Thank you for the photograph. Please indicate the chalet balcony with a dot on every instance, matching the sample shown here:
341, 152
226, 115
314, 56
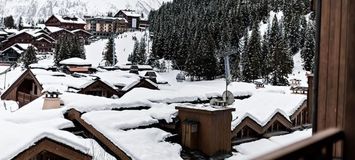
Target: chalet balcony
25, 98
318, 147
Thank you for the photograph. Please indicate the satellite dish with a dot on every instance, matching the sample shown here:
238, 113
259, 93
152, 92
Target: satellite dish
228, 97
213, 101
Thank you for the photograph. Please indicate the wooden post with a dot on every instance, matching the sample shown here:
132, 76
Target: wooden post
336, 85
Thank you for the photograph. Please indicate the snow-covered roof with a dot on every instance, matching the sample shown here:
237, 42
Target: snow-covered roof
137, 143
131, 13
24, 46
35, 130
19, 51
74, 20
3, 33
80, 30
54, 29
58, 80
130, 86
140, 67
14, 31
75, 61
39, 39
262, 106
256, 148
118, 78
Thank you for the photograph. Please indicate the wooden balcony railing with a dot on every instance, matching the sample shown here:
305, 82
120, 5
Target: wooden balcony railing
25, 98
318, 147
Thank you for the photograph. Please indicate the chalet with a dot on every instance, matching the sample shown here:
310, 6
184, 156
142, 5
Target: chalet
131, 16
106, 26
22, 37
38, 38
13, 53
97, 88
78, 65
24, 90
44, 45
56, 32
33, 83
142, 83
69, 23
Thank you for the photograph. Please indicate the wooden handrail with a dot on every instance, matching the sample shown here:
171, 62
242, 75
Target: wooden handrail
319, 146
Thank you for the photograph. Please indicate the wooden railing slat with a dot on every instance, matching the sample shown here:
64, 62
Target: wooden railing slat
312, 146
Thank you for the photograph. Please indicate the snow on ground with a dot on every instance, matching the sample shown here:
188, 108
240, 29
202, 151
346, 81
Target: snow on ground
124, 47
256, 148
298, 71
94, 52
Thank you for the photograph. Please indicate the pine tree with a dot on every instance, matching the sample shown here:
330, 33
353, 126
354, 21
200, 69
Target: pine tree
134, 57
142, 58
303, 30
109, 56
20, 24
265, 54
9, 22
254, 52
29, 57
308, 50
245, 60
77, 49
293, 34
281, 59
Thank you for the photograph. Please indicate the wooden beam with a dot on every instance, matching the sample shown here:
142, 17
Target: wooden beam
310, 147
104, 142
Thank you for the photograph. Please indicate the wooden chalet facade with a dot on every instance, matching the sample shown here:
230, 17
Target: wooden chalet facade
62, 33
27, 88
12, 54
46, 149
22, 37
132, 18
69, 23
44, 45
41, 40
24, 90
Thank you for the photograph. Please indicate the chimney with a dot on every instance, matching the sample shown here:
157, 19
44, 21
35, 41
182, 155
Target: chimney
51, 101
206, 129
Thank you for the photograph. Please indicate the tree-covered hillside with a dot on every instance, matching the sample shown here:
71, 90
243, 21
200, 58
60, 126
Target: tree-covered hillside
194, 34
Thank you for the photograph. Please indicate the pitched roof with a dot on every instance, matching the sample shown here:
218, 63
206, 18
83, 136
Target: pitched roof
67, 19
75, 61
131, 13
54, 29
81, 30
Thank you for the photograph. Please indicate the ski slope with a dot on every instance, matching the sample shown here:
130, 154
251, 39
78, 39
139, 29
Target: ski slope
124, 47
